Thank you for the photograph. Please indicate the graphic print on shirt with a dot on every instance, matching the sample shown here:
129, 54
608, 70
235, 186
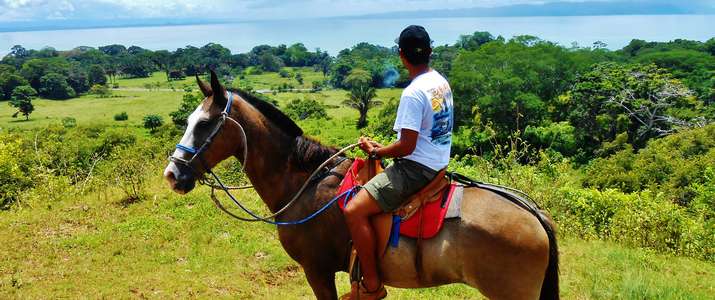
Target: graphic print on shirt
442, 122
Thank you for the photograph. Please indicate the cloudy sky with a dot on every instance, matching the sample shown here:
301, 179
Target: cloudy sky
40, 10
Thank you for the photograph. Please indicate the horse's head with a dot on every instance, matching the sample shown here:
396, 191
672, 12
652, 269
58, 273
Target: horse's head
208, 138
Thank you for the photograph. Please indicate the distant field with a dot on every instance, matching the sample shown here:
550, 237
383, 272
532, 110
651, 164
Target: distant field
157, 80
138, 102
88, 110
271, 80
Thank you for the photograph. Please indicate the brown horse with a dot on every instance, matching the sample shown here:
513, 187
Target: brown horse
496, 246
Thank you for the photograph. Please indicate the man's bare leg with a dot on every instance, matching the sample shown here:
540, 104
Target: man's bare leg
357, 214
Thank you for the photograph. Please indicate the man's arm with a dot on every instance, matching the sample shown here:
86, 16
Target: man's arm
402, 147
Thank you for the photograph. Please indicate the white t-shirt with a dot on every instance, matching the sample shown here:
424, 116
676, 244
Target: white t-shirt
426, 107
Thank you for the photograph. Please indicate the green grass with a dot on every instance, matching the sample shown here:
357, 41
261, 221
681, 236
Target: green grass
181, 246
156, 78
272, 80
90, 110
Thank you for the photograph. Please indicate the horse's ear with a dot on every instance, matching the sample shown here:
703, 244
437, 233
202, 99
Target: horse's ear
205, 88
219, 95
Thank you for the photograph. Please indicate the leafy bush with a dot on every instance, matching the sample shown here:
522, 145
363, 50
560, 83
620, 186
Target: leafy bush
642, 219
69, 122
12, 178
153, 121
385, 119
306, 109
122, 116
190, 100
672, 165
285, 73
101, 90
126, 169
556, 136
317, 86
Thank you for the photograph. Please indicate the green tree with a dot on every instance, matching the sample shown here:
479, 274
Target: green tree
299, 78
22, 100
270, 62
97, 75
475, 40
55, 86
306, 109
642, 101
8, 83
102, 91
34, 69
78, 79
361, 96
510, 85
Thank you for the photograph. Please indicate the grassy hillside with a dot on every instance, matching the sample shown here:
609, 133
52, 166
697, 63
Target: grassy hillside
181, 246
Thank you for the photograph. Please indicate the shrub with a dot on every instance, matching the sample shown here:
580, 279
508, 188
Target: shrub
126, 169
101, 90
190, 100
153, 121
671, 165
285, 73
12, 178
69, 122
317, 86
306, 109
122, 116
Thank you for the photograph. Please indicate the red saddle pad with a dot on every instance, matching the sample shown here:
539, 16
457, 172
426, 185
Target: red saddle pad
433, 213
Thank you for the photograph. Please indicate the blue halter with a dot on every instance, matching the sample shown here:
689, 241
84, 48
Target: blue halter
226, 111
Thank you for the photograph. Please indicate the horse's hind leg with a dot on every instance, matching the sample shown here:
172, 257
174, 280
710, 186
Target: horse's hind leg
504, 274
322, 283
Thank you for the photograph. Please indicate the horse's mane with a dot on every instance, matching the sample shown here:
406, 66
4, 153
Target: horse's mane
307, 153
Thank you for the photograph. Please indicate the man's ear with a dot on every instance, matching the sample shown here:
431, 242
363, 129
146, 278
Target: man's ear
205, 88
219, 92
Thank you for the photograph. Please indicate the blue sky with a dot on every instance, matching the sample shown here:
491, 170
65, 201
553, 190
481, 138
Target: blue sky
237, 10
42, 10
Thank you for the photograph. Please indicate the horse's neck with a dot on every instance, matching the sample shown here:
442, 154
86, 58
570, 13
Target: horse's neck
268, 166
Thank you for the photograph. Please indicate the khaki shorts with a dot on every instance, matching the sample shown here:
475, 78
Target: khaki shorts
400, 180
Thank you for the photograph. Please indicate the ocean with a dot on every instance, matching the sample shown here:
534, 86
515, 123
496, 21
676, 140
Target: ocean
333, 35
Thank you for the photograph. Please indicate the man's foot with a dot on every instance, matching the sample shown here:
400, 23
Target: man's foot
359, 292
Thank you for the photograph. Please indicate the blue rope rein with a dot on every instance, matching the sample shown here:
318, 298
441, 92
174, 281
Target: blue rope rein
347, 194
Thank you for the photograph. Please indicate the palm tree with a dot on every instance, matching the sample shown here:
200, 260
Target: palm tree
361, 95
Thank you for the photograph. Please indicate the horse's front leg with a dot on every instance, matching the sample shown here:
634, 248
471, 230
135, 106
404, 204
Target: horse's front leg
322, 283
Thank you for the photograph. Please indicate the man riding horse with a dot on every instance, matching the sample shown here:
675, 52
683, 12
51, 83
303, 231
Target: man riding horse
424, 136
500, 242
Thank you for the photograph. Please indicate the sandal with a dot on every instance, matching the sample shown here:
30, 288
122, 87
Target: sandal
359, 292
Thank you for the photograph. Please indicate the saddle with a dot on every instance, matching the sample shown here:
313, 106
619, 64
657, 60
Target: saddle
420, 217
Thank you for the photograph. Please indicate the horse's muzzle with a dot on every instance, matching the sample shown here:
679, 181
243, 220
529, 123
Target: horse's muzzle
181, 181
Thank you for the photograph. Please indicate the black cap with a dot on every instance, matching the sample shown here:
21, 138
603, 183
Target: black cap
414, 39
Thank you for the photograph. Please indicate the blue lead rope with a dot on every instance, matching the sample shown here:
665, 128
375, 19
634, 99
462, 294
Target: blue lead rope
347, 193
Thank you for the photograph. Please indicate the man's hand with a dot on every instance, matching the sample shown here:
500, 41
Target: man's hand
366, 144
402, 147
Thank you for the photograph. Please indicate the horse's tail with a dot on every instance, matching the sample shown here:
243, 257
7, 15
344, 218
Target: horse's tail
550, 286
